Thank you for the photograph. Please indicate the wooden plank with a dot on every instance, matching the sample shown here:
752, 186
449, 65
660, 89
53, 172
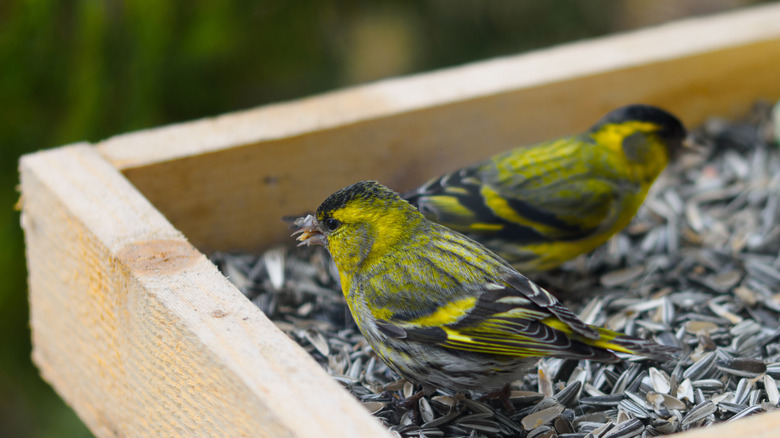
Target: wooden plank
142, 335
225, 181
760, 426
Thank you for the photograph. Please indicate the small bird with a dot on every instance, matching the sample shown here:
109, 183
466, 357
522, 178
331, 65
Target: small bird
540, 205
440, 309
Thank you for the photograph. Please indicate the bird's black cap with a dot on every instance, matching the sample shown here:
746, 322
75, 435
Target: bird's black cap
672, 130
368, 190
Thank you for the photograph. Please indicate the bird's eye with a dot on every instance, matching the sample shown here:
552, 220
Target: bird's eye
331, 224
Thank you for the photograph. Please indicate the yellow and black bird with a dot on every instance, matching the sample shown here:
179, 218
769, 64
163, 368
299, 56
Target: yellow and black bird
540, 205
440, 309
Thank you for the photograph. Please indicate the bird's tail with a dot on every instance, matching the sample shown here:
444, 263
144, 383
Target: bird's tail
615, 341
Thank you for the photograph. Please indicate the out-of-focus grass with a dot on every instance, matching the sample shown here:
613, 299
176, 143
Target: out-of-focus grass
85, 70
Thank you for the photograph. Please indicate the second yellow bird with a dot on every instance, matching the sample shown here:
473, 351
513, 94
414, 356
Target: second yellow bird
540, 205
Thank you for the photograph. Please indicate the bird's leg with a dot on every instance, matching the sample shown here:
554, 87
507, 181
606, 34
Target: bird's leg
412, 400
501, 395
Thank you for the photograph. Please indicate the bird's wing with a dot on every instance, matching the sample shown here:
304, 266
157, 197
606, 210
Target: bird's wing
514, 318
454, 200
554, 190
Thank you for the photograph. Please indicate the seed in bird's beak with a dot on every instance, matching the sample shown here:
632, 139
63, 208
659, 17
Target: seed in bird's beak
691, 142
310, 233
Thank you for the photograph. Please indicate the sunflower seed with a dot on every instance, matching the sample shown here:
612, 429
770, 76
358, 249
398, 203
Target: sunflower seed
440, 421
699, 413
701, 367
569, 394
763, 272
772, 393
591, 311
478, 407
726, 397
748, 296
746, 327
525, 397
665, 426
696, 327
636, 409
407, 419
660, 381
745, 412
486, 426
742, 367
545, 382
544, 416
274, 263
685, 390
724, 312
603, 400
563, 425
622, 276
627, 429
542, 432
373, 407
603, 430
424, 432
316, 339
629, 375
426, 411
743, 390
664, 400
408, 390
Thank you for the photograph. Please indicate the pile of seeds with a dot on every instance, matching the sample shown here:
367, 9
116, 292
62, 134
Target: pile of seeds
698, 268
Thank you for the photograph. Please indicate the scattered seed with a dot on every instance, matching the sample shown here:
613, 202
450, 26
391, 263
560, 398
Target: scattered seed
742, 367
696, 327
685, 390
699, 413
664, 400
701, 367
622, 276
544, 416
627, 429
772, 393
568, 396
660, 381
542, 432
750, 410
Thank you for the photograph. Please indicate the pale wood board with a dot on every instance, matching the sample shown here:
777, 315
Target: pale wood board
759, 426
226, 181
142, 335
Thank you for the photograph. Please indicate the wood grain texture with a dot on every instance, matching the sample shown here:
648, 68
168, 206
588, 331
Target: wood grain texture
142, 335
226, 181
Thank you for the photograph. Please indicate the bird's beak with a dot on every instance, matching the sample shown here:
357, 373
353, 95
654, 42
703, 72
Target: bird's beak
689, 142
310, 233
689, 145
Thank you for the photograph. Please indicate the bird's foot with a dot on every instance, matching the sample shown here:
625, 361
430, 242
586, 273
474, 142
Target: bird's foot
502, 395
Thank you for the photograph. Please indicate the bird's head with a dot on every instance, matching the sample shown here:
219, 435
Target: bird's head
639, 127
359, 221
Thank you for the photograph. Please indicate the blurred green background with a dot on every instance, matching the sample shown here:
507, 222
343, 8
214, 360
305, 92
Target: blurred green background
88, 69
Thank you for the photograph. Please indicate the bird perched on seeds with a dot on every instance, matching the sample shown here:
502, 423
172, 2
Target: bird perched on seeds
540, 205
439, 308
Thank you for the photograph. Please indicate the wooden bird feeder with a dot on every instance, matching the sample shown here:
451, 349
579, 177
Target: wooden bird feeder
140, 333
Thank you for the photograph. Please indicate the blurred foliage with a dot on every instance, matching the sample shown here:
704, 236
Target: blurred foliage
88, 69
